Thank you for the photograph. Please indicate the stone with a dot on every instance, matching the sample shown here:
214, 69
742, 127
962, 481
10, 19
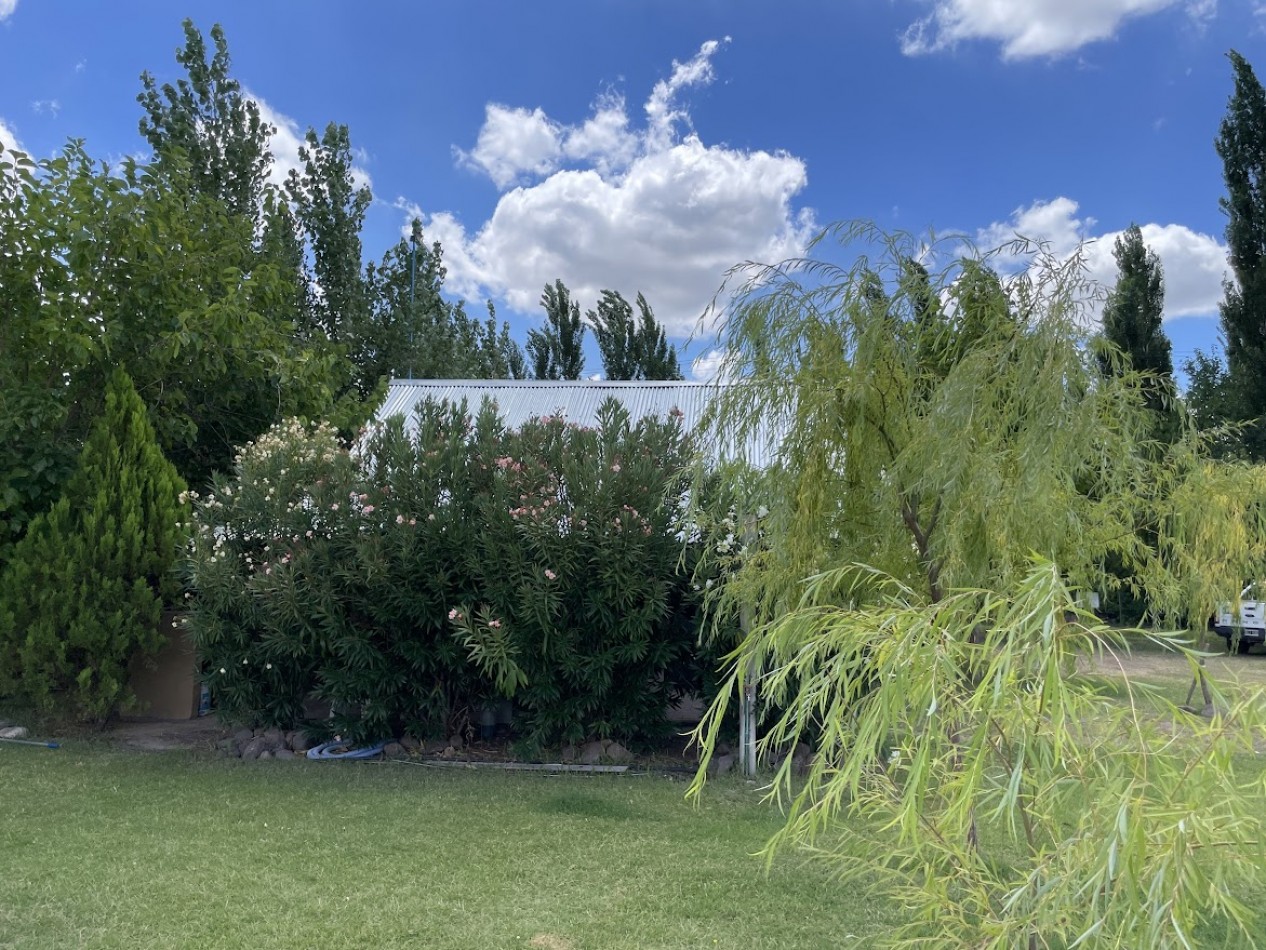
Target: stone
284, 754
252, 749
266, 754
243, 736
591, 753
455, 741
721, 764
14, 732
411, 744
230, 747
275, 738
393, 748
568, 754
434, 746
618, 755
300, 741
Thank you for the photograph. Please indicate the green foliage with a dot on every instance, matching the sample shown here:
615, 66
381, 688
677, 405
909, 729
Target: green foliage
203, 330
207, 126
578, 554
1241, 144
631, 349
84, 589
418, 334
1001, 799
433, 573
975, 458
1132, 323
1212, 403
556, 350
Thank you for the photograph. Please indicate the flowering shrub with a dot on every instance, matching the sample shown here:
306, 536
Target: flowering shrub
427, 574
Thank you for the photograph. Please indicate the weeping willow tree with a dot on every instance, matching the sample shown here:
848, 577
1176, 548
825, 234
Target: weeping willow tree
950, 472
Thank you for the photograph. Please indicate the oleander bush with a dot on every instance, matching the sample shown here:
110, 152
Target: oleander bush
437, 569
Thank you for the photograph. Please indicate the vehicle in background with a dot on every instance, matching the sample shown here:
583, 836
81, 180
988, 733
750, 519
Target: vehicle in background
1243, 627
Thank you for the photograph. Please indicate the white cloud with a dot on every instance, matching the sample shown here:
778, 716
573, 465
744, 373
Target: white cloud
7, 7
1027, 28
707, 367
605, 205
51, 106
514, 142
9, 137
1193, 263
286, 139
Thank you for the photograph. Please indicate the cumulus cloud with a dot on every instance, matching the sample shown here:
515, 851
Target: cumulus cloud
605, 204
1194, 264
9, 137
707, 367
512, 143
7, 7
1027, 28
285, 142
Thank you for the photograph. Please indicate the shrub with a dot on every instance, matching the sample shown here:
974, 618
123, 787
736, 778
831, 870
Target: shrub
84, 589
429, 574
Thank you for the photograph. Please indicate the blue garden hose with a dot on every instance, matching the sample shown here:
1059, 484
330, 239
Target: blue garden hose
343, 750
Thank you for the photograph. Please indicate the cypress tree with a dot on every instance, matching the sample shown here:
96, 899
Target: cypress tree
1242, 146
86, 586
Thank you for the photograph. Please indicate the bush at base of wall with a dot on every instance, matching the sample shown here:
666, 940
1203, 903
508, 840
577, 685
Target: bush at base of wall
429, 574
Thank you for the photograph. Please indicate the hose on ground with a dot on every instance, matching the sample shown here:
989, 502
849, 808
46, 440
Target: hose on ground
344, 750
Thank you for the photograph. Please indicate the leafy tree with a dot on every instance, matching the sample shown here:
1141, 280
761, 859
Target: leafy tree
1132, 321
203, 330
330, 208
945, 479
208, 126
85, 587
555, 350
417, 332
1212, 403
631, 349
1241, 144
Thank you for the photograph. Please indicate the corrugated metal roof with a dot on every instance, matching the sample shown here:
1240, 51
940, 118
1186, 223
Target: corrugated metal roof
518, 400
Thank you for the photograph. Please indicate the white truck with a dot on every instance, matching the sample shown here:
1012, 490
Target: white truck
1243, 627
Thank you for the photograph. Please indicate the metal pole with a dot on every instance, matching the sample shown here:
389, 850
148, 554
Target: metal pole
413, 284
747, 705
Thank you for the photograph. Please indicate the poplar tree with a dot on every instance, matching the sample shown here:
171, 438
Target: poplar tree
1241, 144
85, 588
632, 348
556, 350
1132, 323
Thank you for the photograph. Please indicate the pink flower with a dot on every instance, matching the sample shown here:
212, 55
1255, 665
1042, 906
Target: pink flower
550, 575
334, 507
454, 614
399, 519
413, 521
430, 517
615, 467
367, 510
495, 624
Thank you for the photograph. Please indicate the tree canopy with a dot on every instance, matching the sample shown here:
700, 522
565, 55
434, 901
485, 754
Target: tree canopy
950, 468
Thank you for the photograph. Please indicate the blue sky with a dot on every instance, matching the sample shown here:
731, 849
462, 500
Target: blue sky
650, 145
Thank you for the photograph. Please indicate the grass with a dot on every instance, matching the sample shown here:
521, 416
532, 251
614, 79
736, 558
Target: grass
110, 848
106, 847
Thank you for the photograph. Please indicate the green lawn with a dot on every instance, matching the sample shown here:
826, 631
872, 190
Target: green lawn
109, 848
